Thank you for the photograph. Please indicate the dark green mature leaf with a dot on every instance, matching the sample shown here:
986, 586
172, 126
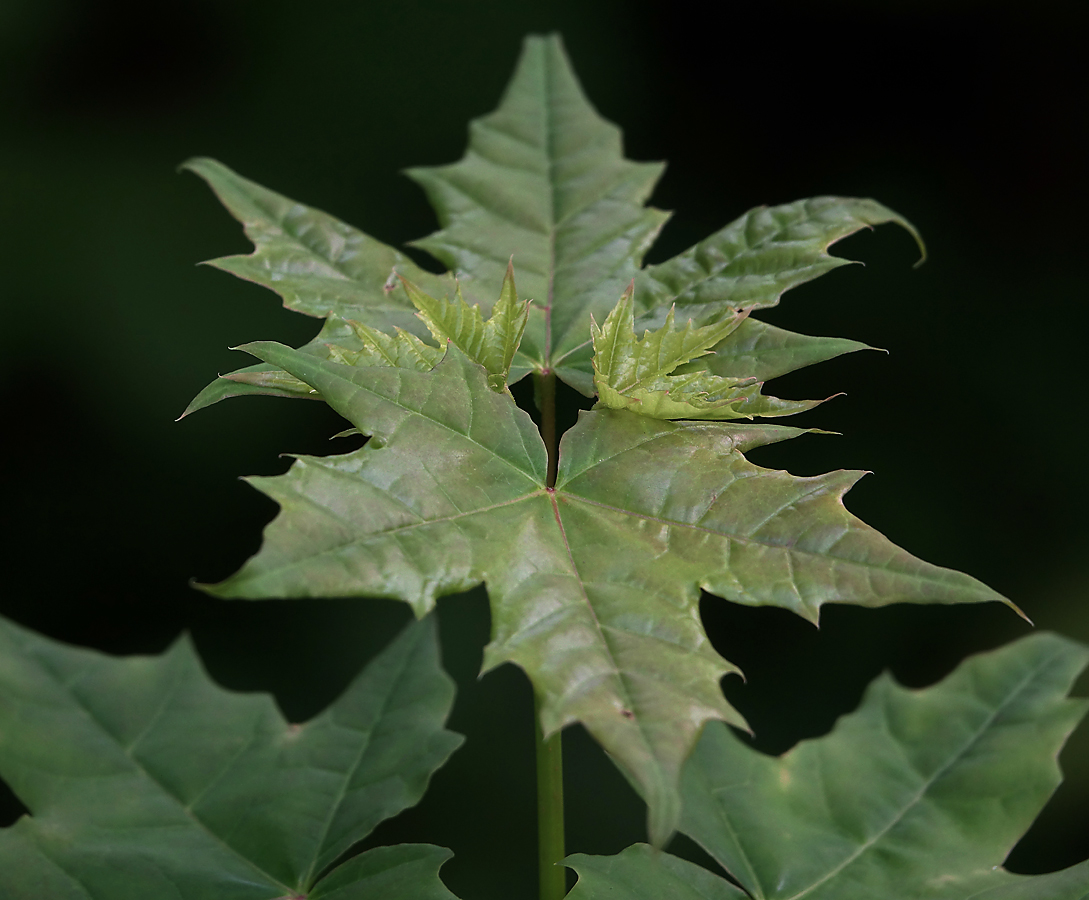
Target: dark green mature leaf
145, 779
642, 873
918, 794
315, 262
750, 264
594, 585
755, 259
268, 381
401, 872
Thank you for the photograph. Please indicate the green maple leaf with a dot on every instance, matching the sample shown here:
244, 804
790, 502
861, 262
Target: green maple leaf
145, 779
544, 181
594, 585
917, 794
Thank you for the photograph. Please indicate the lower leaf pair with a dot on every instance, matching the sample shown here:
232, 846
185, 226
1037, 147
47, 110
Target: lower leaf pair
145, 779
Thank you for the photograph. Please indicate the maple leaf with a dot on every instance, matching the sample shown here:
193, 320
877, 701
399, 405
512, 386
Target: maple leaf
594, 582
915, 794
146, 779
594, 585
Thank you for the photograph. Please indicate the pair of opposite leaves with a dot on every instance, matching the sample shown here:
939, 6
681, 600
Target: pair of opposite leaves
145, 779
594, 582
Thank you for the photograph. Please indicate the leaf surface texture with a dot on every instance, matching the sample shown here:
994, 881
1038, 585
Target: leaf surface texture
145, 779
595, 585
918, 794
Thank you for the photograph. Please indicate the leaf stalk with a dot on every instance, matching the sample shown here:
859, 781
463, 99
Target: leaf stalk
545, 396
550, 841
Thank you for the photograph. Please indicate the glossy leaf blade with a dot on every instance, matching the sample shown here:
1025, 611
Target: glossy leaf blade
316, 263
918, 793
145, 779
761, 351
594, 586
637, 671
760, 537
271, 381
544, 180
402, 521
401, 872
757, 257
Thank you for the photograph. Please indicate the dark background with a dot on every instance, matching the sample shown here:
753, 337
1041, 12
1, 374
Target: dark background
968, 118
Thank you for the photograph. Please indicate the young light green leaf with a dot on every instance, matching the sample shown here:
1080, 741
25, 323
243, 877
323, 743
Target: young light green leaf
594, 585
145, 779
631, 373
400, 350
491, 343
916, 794
544, 180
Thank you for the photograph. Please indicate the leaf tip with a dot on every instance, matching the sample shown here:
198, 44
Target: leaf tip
192, 164
1017, 609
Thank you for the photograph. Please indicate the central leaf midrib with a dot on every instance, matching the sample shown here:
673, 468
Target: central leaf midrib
550, 153
617, 671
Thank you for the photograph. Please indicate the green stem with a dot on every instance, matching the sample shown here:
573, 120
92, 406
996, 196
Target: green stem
545, 394
550, 850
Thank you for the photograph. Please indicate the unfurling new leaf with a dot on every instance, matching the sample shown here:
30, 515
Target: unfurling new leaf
635, 374
491, 343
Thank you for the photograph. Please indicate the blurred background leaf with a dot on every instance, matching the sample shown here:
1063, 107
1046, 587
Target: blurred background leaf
969, 118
